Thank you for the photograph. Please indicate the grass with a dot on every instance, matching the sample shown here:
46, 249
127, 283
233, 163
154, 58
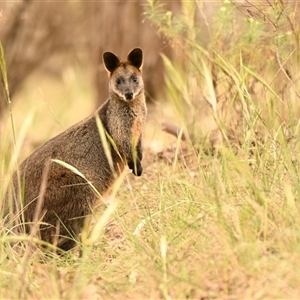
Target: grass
195, 225
204, 227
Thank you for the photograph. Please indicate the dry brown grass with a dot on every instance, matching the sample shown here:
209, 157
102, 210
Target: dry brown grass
196, 227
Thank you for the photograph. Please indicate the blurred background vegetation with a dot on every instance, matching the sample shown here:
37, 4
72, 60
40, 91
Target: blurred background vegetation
48, 37
237, 76
222, 64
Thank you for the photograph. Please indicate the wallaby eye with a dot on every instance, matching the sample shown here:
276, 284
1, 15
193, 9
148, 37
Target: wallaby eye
134, 79
118, 81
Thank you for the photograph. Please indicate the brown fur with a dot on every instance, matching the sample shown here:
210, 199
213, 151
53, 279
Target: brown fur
67, 198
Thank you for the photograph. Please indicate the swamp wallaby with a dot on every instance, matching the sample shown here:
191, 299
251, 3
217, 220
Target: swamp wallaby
63, 198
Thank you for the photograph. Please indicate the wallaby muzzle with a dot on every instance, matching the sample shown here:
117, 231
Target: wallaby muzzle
129, 95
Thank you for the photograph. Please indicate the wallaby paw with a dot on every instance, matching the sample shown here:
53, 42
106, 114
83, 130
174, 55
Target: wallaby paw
137, 168
139, 171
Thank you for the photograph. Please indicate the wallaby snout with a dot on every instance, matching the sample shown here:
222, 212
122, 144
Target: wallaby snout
129, 95
68, 196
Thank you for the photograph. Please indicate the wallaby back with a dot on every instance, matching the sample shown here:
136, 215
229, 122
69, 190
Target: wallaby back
52, 192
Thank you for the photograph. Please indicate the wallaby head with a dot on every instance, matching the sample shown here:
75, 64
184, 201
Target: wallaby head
125, 77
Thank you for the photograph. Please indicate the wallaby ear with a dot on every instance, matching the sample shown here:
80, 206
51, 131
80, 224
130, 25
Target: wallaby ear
135, 58
110, 61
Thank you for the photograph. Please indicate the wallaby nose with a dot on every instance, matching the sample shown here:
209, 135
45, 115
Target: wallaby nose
129, 95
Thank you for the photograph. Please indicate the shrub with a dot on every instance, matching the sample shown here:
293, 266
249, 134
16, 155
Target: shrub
236, 70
